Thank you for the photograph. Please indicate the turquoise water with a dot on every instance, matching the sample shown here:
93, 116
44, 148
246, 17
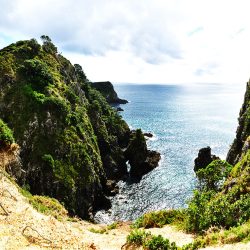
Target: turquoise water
183, 119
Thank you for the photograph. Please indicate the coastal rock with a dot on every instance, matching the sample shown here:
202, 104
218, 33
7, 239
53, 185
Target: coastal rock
119, 109
204, 158
140, 158
107, 90
147, 134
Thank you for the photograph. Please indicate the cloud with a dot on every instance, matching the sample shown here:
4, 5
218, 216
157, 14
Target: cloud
163, 40
207, 69
94, 27
195, 31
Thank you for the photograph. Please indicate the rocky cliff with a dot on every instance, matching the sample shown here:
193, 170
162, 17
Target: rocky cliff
71, 140
242, 141
107, 90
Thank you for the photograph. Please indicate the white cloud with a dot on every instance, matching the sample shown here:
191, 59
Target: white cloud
162, 41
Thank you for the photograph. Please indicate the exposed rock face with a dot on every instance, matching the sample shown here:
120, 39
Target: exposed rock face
204, 158
107, 90
72, 141
140, 158
241, 141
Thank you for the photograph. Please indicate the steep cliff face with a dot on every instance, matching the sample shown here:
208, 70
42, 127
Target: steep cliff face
242, 141
71, 140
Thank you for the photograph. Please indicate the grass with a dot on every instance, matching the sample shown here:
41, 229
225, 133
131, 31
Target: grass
98, 231
113, 225
46, 205
106, 229
215, 236
160, 218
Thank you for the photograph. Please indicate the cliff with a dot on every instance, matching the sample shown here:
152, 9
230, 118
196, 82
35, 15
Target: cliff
107, 90
71, 140
241, 142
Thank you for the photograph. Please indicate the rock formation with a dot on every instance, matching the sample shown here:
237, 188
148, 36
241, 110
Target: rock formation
204, 158
140, 158
107, 90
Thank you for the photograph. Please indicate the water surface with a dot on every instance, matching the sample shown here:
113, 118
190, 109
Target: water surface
183, 119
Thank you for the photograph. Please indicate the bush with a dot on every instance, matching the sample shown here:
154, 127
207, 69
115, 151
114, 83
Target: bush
149, 241
214, 175
159, 218
6, 135
137, 237
45, 204
36, 73
159, 243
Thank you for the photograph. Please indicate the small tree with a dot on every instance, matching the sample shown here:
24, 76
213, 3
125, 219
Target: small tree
213, 176
48, 46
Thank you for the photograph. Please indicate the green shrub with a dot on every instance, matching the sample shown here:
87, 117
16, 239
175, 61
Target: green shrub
98, 231
159, 243
6, 135
214, 175
112, 225
159, 218
149, 241
45, 204
137, 237
36, 73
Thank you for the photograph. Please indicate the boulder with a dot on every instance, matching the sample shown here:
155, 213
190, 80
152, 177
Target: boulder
204, 158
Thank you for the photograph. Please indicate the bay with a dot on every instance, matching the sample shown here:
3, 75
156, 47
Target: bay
183, 119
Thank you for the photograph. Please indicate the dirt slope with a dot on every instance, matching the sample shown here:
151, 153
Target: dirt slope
22, 227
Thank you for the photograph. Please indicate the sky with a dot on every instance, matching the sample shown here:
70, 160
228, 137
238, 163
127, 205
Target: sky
143, 41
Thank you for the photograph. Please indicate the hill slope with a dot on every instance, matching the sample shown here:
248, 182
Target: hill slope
72, 142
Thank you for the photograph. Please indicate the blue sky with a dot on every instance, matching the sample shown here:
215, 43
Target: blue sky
149, 41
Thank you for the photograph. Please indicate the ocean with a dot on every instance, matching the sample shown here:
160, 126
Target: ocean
183, 119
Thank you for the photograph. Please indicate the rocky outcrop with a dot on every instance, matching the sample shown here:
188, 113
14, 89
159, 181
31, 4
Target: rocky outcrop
204, 158
148, 134
240, 143
107, 90
141, 159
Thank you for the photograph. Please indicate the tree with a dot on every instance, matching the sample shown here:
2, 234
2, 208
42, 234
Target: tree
48, 46
213, 176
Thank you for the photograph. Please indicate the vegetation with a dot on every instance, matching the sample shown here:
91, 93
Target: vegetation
219, 210
213, 176
6, 135
214, 206
45, 205
159, 218
68, 133
112, 225
149, 241
98, 231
